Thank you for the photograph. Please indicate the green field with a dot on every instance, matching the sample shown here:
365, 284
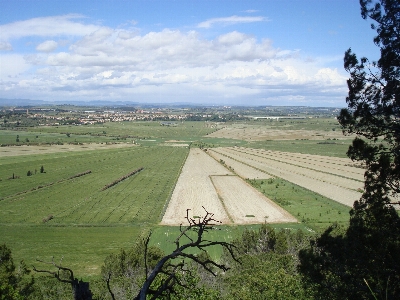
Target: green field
83, 223
134, 204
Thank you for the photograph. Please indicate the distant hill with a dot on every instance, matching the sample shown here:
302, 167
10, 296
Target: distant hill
21, 102
98, 103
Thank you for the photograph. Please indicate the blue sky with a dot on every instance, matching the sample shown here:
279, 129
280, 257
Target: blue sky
271, 52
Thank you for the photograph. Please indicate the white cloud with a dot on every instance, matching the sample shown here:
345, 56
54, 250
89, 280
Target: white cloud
230, 21
47, 46
231, 38
123, 64
5, 46
47, 26
12, 66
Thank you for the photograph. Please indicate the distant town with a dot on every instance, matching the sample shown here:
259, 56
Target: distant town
54, 115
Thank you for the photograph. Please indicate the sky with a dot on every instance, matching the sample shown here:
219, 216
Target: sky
269, 52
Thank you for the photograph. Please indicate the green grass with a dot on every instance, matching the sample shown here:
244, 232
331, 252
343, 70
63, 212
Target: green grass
81, 200
147, 133
83, 249
131, 130
312, 209
44, 135
337, 148
88, 223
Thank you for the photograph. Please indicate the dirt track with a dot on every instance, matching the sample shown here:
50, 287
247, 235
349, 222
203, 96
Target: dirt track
45, 149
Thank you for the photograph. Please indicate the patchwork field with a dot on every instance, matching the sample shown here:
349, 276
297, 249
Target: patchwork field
337, 179
58, 213
239, 168
259, 133
194, 190
206, 184
245, 205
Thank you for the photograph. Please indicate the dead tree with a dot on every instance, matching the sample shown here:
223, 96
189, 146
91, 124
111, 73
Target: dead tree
169, 269
80, 289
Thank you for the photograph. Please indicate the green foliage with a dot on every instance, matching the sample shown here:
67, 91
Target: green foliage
15, 284
47, 287
363, 261
268, 266
193, 286
373, 107
126, 269
339, 261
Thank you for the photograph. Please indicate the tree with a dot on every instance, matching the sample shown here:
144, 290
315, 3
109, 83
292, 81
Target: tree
373, 112
268, 268
167, 272
14, 284
164, 275
80, 289
363, 261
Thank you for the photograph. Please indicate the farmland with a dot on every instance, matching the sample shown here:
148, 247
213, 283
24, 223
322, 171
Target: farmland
242, 171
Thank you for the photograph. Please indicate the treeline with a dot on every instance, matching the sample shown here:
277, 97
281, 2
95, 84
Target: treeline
121, 179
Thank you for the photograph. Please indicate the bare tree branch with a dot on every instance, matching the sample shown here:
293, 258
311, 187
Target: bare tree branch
80, 289
170, 270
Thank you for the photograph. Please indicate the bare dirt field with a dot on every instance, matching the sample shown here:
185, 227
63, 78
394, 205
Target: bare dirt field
195, 189
257, 133
239, 168
340, 186
176, 143
45, 149
245, 205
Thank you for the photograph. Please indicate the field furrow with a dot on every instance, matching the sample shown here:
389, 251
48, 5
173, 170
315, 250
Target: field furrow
289, 166
340, 168
239, 168
327, 187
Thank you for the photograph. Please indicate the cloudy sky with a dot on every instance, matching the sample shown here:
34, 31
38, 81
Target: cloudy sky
266, 52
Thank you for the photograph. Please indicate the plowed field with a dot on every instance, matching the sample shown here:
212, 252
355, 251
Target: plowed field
204, 182
335, 178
